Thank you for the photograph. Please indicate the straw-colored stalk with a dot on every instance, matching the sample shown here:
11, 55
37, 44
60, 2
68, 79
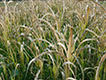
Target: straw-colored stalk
69, 54
98, 68
70, 46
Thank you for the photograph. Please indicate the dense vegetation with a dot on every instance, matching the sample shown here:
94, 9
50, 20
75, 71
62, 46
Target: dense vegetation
53, 40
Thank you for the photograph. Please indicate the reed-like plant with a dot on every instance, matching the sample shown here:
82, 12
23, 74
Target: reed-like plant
52, 40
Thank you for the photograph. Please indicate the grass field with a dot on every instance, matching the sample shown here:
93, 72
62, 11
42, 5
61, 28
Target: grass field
53, 40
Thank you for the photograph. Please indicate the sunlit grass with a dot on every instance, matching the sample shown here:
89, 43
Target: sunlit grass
52, 40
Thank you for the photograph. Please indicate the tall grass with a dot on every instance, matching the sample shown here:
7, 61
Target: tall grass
53, 40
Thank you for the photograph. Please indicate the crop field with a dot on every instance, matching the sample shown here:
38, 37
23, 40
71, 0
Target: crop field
53, 40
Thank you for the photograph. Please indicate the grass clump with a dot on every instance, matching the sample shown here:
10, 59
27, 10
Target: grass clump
53, 40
